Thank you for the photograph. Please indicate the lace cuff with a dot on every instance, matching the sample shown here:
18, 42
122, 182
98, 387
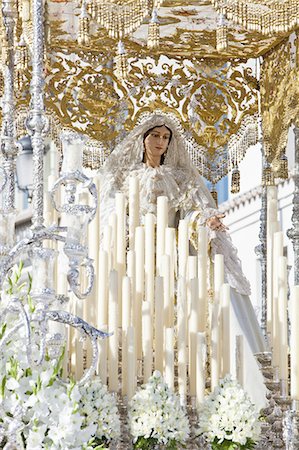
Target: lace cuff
220, 243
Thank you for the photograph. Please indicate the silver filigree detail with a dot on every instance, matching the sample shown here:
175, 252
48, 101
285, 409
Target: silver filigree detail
71, 137
70, 181
293, 233
9, 148
93, 333
291, 427
37, 122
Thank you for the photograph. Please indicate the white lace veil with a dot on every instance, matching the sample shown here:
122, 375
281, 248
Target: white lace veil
129, 153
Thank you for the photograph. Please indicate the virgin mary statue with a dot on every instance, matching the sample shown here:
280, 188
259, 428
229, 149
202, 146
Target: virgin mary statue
156, 153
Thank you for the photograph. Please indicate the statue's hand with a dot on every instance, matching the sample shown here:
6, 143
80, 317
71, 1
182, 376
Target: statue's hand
215, 223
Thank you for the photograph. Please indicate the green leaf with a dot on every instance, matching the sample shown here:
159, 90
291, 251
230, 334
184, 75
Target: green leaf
14, 365
30, 303
57, 368
3, 384
3, 329
30, 282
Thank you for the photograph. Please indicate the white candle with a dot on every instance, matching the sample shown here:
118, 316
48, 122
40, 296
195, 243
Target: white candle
126, 322
283, 317
215, 325
170, 246
240, 359
72, 157
225, 306
113, 327
149, 228
218, 275
107, 243
191, 273
159, 320
131, 358
162, 222
102, 288
147, 340
169, 358
112, 222
202, 241
131, 272
202, 277
200, 367
193, 329
294, 347
183, 247
126, 300
165, 272
120, 208
271, 227
133, 209
139, 252
181, 327
192, 267
277, 253
102, 361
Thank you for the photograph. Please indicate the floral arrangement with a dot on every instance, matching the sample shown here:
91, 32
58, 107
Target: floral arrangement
37, 410
228, 419
156, 417
99, 407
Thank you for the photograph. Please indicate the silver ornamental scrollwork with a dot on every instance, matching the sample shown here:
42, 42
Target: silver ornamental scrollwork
3, 179
293, 233
70, 181
37, 122
73, 278
9, 148
88, 330
42, 317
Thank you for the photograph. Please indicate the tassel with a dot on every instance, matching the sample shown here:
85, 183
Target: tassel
22, 57
214, 194
19, 80
221, 34
267, 177
235, 182
283, 171
84, 23
121, 62
153, 37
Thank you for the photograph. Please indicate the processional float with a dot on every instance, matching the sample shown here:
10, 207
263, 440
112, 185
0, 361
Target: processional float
137, 333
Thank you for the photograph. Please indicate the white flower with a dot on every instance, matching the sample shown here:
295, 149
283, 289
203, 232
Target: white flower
156, 412
99, 406
228, 413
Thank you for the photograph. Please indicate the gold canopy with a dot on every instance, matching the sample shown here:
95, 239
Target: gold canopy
96, 89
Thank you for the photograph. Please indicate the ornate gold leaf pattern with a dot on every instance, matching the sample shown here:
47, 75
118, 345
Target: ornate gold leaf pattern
279, 97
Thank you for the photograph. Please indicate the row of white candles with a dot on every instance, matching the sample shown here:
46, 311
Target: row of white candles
135, 293
144, 287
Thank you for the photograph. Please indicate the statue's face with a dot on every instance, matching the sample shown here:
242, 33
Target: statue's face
157, 141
